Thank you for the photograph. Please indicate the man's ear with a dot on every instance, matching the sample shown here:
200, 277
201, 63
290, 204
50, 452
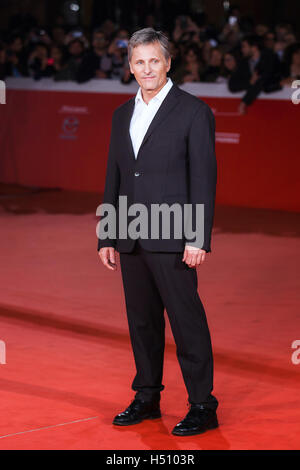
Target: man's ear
130, 66
168, 64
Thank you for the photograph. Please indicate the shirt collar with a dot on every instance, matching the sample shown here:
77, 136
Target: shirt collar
160, 95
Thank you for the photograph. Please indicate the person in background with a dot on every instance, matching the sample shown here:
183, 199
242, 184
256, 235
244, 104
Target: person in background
258, 71
236, 72
261, 29
289, 39
205, 52
150, 20
291, 69
184, 25
108, 27
175, 55
269, 40
282, 31
16, 57
230, 36
58, 35
230, 66
75, 53
38, 62
119, 60
214, 71
58, 61
79, 35
96, 63
37, 36
3, 62
190, 69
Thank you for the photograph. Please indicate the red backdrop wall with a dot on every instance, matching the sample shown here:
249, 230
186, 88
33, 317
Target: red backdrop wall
60, 139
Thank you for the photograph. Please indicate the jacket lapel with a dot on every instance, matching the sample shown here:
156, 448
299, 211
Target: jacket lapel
167, 105
127, 119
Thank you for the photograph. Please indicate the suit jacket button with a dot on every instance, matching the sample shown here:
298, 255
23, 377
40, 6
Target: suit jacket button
136, 173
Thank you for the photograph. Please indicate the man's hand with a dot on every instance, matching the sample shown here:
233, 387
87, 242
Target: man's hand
242, 108
193, 256
254, 78
108, 257
101, 74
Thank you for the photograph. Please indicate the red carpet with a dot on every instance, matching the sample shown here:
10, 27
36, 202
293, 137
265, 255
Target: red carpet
69, 364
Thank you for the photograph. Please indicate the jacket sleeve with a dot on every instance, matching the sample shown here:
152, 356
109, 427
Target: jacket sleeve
112, 181
239, 79
202, 170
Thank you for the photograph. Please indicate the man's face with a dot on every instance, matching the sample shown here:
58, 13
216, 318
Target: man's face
41, 52
76, 49
216, 58
58, 35
269, 40
149, 66
229, 62
296, 58
99, 41
123, 34
246, 49
17, 45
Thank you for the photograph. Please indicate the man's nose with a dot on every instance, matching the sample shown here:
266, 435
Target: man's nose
147, 68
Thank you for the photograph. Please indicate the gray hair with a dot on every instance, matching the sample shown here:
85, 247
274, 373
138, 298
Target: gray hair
147, 36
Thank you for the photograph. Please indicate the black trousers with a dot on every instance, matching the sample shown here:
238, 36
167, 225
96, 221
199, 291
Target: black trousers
154, 281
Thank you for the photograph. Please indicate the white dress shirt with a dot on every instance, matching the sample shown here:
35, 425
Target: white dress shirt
144, 113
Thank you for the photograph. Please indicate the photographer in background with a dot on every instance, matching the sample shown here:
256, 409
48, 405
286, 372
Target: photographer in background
59, 62
230, 35
118, 53
38, 62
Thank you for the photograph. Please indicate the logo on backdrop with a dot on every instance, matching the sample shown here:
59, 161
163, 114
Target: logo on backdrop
2, 92
296, 354
2, 352
228, 137
66, 109
296, 94
70, 127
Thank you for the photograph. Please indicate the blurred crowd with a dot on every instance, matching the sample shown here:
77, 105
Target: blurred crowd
245, 55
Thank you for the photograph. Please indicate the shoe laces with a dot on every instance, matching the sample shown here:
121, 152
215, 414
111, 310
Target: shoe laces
135, 404
193, 415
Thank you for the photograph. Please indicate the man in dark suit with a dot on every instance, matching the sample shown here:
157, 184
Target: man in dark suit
259, 70
162, 150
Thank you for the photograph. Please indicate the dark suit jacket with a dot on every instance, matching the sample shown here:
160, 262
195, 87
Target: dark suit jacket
176, 163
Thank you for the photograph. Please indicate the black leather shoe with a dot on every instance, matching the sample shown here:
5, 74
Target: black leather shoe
197, 421
137, 411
